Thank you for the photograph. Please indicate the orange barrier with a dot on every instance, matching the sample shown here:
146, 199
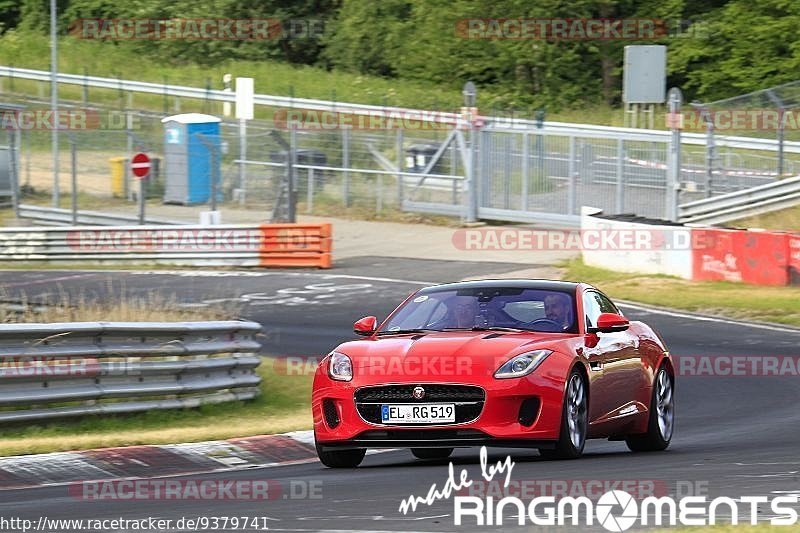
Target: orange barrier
296, 245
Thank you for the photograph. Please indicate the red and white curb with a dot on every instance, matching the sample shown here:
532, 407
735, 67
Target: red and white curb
150, 461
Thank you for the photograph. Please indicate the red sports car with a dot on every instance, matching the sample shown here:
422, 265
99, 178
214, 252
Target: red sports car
514, 363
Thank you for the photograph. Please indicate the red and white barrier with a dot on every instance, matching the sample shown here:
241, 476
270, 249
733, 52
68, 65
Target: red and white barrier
700, 253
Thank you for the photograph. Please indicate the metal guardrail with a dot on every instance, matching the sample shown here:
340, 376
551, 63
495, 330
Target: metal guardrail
180, 91
740, 204
73, 369
56, 216
257, 245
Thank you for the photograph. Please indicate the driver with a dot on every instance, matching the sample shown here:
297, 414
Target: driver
557, 308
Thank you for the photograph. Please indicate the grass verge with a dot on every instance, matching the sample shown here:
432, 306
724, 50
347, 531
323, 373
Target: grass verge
735, 300
284, 405
783, 220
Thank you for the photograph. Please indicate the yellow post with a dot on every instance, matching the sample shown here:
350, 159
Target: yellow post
117, 176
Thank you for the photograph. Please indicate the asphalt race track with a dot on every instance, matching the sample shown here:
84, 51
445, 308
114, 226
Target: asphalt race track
735, 436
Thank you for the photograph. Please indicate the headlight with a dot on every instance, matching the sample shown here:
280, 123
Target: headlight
522, 364
340, 367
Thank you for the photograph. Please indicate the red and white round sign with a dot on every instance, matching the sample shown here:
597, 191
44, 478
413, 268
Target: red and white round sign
140, 165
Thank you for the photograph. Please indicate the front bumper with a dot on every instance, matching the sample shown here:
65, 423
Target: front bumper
431, 438
523, 412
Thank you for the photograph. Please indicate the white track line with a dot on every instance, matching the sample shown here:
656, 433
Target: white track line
707, 318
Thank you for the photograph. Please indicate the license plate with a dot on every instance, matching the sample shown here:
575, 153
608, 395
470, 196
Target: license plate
429, 413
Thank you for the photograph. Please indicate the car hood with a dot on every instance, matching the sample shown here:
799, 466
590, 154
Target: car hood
454, 356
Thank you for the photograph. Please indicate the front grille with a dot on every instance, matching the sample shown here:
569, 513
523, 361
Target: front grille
433, 393
370, 399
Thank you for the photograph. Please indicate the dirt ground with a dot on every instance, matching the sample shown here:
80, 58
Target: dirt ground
93, 172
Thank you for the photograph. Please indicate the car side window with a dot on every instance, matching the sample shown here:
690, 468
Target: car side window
592, 308
606, 306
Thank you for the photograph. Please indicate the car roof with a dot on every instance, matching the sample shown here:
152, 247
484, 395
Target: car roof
541, 284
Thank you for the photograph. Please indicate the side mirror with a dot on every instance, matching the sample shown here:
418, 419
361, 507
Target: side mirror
365, 326
608, 323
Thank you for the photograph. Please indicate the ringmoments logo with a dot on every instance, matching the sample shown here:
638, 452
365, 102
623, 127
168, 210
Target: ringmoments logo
615, 510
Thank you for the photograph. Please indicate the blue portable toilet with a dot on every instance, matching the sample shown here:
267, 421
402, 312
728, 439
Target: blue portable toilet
192, 157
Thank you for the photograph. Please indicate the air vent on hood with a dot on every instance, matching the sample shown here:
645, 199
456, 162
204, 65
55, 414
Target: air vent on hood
493, 335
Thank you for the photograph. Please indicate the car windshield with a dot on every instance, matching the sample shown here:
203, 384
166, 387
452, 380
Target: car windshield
485, 308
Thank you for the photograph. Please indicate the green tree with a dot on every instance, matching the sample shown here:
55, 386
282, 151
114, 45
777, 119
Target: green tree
742, 47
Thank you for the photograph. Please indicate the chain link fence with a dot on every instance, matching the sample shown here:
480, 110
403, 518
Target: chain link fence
521, 174
769, 113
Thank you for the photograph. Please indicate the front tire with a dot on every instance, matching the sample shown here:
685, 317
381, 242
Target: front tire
662, 417
340, 458
432, 453
574, 421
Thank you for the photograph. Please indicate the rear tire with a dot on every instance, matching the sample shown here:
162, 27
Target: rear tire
574, 421
662, 417
340, 458
432, 453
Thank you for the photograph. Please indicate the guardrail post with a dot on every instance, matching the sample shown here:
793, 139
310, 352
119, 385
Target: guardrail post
212, 154
674, 159
165, 100
242, 158
13, 168
400, 162
310, 192
525, 170
454, 169
507, 154
781, 135
620, 176
292, 159
85, 86
346, 165
471, 172
73, 160
379, 194
126, 174
573, 176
